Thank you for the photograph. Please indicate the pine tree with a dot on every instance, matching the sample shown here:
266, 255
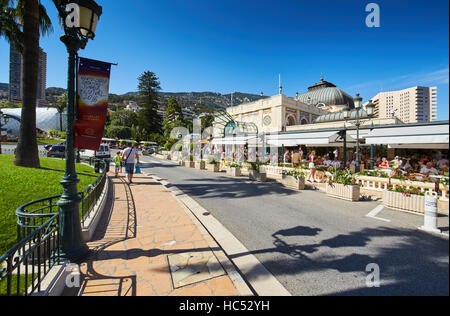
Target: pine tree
148, 117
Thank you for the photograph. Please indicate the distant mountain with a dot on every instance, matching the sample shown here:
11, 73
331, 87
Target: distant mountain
198, 102
4, 86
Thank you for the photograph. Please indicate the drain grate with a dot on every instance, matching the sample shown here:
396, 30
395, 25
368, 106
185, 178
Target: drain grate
193, 267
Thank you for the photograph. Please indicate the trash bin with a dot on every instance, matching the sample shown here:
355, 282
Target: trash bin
97, 166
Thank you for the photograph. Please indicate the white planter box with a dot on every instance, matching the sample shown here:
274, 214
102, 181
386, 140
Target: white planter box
200, 165
413, 203
291, 182
213, 168
257, 176
345, 192
234, 172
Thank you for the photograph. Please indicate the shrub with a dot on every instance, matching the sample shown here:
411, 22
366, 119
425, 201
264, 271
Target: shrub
296, 174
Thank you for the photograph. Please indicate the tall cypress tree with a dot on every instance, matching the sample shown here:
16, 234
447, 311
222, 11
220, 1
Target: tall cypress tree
148, 117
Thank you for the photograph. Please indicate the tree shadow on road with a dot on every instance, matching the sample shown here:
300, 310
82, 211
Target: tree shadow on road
225, 187
414, 264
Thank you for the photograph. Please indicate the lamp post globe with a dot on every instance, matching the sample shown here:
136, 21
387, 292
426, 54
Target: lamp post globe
370, 108
79, 20
358, 101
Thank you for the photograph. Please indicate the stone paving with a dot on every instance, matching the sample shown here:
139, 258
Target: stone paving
149, 244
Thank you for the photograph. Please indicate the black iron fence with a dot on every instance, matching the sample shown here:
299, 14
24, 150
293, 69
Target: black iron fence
23, 268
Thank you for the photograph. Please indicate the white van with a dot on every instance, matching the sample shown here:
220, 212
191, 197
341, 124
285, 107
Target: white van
101, 153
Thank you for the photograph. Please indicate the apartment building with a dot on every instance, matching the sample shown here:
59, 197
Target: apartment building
15, 77
412, 105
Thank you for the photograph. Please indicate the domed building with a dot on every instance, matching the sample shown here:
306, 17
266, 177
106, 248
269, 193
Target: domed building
327, 96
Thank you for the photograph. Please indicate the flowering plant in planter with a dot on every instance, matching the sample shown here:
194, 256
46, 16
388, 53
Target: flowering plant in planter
295, 174
407, 192
233, 165
375, 173
213, 161
255, 166
345, 177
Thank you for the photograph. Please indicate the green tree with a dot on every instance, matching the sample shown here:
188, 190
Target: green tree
119, 132
21, 23
207, 121
148, 117
124, 118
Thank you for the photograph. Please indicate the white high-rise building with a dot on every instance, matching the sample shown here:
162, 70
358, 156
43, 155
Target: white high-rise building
16, 73
413, 105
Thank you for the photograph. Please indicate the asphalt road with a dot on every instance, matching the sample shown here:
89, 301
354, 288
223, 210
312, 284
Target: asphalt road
317, 245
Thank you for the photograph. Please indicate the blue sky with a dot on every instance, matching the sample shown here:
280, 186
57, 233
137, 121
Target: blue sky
226, 46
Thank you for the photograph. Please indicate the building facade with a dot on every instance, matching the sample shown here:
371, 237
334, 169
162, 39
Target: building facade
412, 105
15, 77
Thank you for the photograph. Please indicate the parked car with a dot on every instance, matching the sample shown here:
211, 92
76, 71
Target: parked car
147, 151
48, 147
102, 153
57, 151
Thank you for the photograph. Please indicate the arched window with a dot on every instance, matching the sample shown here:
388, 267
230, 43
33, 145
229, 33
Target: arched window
290, 121
304, 122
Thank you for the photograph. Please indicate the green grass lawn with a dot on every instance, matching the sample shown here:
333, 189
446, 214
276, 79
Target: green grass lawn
41, 141
19, 186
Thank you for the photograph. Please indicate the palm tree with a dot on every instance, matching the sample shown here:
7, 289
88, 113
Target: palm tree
60, 106
24, 21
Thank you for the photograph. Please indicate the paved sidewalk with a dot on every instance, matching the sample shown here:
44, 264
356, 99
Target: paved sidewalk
149, 244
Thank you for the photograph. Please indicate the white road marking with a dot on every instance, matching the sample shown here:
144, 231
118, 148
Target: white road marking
373, 214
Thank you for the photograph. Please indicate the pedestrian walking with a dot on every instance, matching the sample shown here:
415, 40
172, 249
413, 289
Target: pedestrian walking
312, 167
118, 163
129, 157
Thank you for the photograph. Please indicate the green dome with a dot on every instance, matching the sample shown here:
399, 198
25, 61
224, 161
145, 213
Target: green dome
325, 93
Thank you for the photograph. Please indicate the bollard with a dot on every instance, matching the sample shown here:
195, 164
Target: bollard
431, 213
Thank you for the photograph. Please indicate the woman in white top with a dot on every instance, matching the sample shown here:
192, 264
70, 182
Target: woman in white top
312, 166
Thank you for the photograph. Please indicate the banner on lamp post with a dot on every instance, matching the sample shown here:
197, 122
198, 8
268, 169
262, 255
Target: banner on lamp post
93, 88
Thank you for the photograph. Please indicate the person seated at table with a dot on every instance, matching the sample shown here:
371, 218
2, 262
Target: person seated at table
444, 168
429, 170
397, 162
327, 161
384, 163
336, 164
319, 161
406, 166
442, 162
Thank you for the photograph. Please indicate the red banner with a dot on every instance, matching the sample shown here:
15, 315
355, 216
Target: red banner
93, 88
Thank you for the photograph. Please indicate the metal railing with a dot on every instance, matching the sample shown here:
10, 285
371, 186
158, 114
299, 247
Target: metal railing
91, 195
23, 268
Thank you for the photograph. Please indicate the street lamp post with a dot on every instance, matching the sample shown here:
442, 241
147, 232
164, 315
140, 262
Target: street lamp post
370, 110
79, 19
358, 105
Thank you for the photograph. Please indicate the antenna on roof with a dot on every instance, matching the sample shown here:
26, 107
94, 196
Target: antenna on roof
279, 83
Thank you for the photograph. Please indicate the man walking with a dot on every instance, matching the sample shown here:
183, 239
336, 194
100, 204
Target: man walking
129, 157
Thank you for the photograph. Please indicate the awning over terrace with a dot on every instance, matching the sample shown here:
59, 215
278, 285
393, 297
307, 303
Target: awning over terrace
316, 139
417, 136
230, 140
